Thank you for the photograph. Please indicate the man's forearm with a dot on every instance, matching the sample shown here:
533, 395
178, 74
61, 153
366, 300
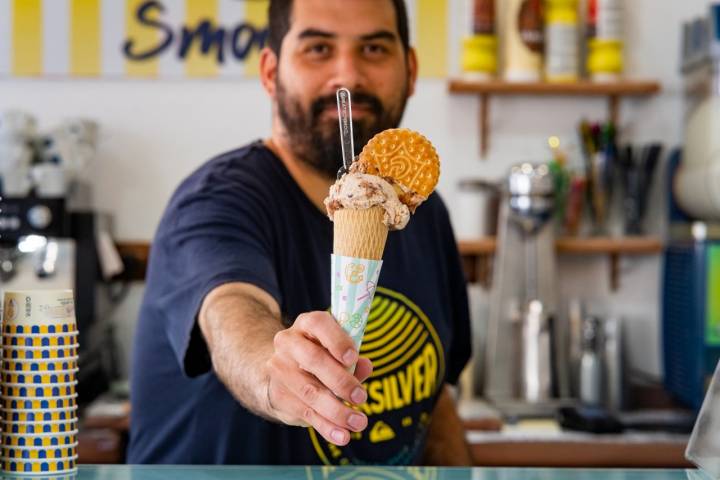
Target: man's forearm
446, 444
239, 328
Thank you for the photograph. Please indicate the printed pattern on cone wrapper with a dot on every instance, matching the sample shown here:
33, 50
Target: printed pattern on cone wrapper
353, 284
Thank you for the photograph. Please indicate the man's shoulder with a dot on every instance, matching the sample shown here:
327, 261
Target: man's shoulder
239, 179
249, 162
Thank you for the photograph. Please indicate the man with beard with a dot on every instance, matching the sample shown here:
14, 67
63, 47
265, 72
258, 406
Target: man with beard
236, 359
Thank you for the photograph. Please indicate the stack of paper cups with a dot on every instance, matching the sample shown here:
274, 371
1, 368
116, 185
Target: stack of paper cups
38, 380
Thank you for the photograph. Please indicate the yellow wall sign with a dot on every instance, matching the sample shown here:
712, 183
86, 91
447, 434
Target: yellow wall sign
165, 38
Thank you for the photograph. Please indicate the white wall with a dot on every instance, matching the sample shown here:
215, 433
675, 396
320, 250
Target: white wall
155, 132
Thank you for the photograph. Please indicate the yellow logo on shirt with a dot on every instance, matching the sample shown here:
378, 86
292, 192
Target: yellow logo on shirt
381, 432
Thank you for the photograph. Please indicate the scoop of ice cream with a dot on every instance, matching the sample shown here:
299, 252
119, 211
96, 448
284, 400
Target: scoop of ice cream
405, 195
358, 191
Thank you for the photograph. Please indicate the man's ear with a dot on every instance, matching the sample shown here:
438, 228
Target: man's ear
268, 71
412, 64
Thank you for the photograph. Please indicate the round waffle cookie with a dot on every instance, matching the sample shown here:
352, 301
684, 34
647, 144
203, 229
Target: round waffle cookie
39, 340
39, 453
39, 365
39, 353
16, 403
31, 391
40, 378
69, 328
61, 465
51, 440
406, 157
56, 415
22, 428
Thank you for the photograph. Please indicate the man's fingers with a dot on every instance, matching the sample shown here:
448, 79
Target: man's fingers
289, 413
363, 369
316, 360
332, 433
293, 410
320, 399
299, 414
323, 327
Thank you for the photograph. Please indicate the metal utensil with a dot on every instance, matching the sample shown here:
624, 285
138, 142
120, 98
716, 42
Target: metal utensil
347, 142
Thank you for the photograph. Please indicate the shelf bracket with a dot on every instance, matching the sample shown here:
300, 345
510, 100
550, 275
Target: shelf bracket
484, 124
614, 272
614, 109
485, 271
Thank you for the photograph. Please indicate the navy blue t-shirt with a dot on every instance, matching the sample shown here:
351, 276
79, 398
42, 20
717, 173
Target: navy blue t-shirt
242, 218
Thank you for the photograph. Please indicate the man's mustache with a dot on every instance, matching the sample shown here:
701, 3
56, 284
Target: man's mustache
366, 100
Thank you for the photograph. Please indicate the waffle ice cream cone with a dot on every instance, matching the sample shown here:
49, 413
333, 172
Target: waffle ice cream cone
360, 233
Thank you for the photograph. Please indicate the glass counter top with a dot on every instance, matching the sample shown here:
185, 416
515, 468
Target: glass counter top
180, 472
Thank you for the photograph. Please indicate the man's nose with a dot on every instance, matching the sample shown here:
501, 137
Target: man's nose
348, 72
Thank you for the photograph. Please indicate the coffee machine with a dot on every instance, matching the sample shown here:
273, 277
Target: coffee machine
524, 373
46, 245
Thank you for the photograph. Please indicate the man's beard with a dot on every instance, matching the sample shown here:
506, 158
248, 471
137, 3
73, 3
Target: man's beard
315, 139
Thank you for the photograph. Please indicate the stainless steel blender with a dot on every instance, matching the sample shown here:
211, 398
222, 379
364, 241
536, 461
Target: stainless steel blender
523, 340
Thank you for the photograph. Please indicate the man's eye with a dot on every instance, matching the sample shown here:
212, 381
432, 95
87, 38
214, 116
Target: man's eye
374, 49
319, 49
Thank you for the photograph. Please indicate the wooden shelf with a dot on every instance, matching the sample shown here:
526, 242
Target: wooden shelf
496, 87
478, 266
612, 90
575, 245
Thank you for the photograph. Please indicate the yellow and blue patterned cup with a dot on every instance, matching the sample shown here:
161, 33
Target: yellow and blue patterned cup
54, 329
40, 415
60, 465
40, 353
11, 341
35, 391
34, 428
39, 378
39, 365
39, 453
41, 440
18, 403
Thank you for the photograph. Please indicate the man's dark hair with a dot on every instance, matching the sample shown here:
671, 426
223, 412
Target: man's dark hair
279, 23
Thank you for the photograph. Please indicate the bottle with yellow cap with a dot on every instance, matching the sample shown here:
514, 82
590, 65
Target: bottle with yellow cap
479, 57
605, 44
561, 41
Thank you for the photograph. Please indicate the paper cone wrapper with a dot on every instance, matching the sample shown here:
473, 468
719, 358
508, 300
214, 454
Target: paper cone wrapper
353, 288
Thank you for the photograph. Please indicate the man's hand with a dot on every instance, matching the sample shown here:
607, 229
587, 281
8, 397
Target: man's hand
309, 378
